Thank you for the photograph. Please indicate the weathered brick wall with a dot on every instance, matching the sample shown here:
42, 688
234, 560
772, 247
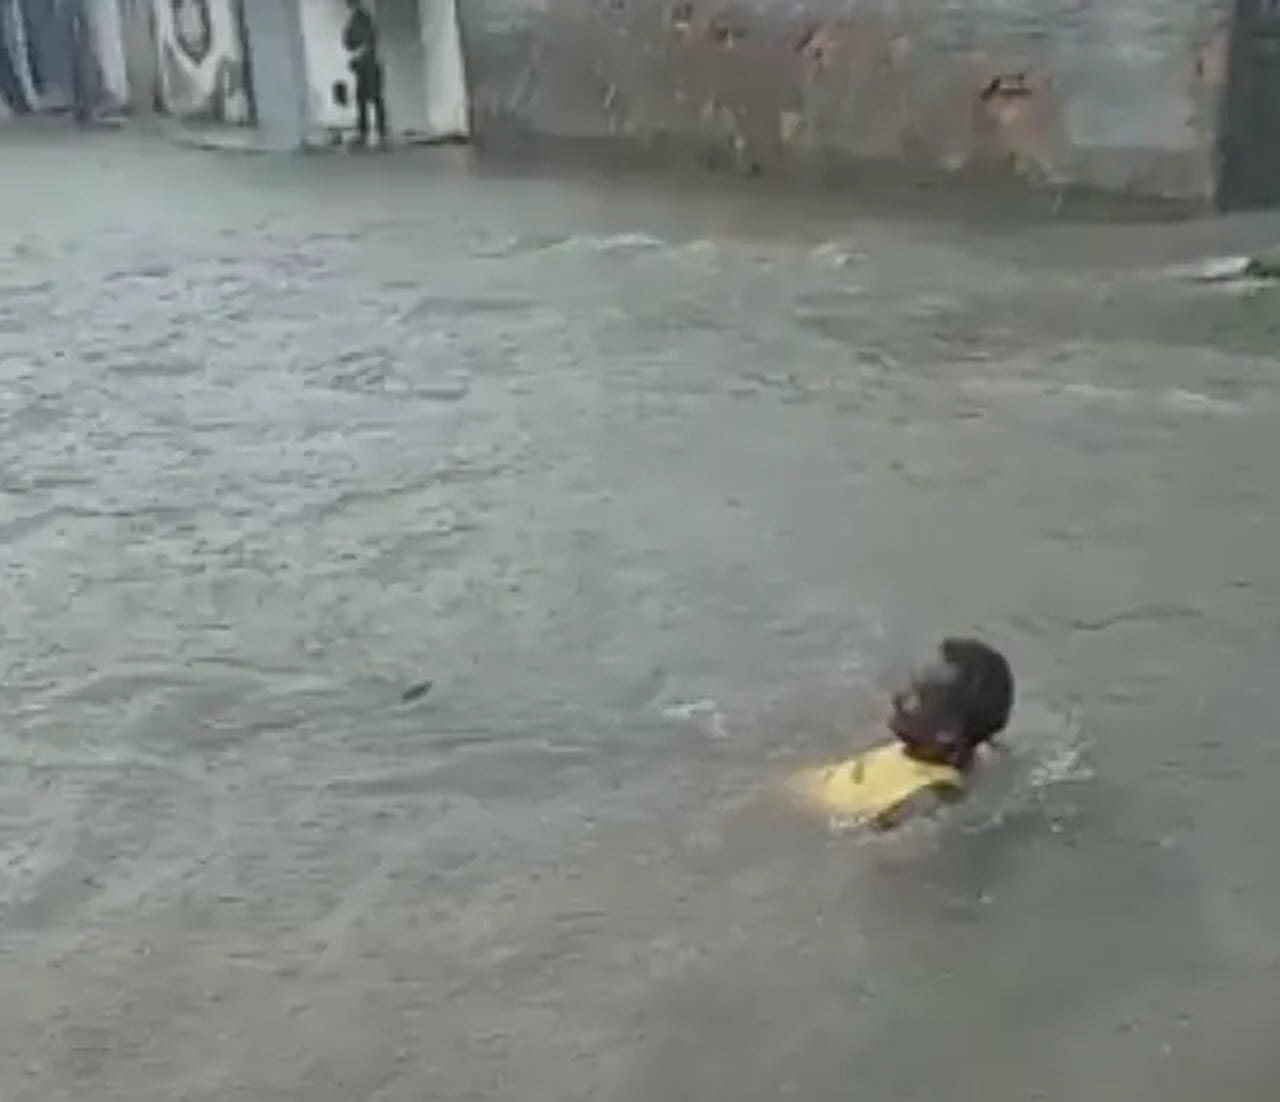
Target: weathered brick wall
1121, 94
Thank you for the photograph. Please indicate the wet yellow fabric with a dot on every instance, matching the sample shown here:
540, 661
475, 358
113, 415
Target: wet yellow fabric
871, 784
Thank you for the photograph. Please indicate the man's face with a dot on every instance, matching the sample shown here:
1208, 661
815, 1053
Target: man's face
921, 714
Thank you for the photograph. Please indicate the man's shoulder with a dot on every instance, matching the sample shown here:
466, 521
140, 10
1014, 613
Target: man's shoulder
922, 803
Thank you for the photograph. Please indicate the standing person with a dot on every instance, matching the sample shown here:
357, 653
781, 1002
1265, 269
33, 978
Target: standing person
360, 40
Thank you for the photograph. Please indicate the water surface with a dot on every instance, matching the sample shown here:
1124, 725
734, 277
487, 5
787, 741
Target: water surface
652, 482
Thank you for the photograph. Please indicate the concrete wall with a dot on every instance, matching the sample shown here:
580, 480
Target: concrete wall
322, 23
201, 60
404, 64
142, 63
448, 107
1121, 94
278, 71
50, 50
106, 28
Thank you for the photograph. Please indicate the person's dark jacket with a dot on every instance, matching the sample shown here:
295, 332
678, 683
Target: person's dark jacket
360, 39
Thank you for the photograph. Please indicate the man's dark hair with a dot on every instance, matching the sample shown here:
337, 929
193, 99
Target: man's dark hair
982, 693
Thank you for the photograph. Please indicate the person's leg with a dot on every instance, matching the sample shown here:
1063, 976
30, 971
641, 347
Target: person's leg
362, 107
380, 106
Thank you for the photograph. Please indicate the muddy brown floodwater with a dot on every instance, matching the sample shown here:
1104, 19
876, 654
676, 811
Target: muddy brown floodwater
652, 482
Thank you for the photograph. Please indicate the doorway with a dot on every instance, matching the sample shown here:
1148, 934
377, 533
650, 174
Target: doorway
1250, 142
422, 55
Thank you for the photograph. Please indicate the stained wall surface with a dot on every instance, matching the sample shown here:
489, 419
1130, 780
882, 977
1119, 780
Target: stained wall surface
1121, 94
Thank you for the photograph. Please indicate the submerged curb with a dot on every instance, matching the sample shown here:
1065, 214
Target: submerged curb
220, 142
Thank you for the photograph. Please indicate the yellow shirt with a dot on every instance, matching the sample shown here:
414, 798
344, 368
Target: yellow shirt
873, 784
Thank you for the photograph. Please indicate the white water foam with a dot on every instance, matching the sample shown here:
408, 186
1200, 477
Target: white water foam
1174, 399
704, 716
609, 243
835, 254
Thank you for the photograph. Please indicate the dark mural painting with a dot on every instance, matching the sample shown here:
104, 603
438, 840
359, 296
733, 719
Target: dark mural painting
192, 29
201, 62
47, 56
13, 61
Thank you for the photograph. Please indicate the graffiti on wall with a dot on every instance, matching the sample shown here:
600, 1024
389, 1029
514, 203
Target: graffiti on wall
202, 65
53, 55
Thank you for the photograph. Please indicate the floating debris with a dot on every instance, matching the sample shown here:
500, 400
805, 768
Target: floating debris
417, 692
704, 715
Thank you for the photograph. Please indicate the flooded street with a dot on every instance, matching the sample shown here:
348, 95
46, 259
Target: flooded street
654, 484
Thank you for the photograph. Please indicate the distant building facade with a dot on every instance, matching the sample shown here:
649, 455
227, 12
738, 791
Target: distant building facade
1158, 97
1173, 98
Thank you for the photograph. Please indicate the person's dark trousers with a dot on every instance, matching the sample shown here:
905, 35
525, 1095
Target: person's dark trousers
369, 97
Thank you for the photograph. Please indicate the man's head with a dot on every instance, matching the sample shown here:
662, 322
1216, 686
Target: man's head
955, 702
354, 5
